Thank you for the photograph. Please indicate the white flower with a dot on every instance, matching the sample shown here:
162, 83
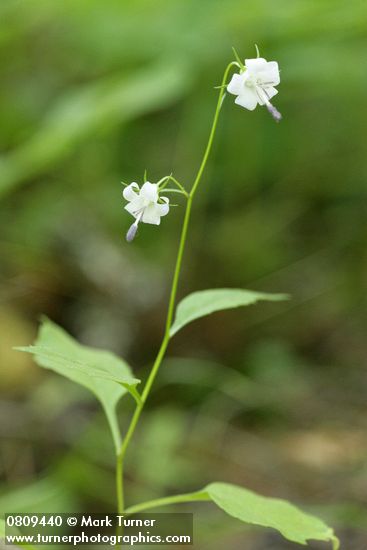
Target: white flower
144, 204
256, 85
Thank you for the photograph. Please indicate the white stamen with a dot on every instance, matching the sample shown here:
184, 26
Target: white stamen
263, 95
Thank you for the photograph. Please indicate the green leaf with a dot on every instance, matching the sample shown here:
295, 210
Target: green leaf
278, 514
204, 302
254, 509
101, 372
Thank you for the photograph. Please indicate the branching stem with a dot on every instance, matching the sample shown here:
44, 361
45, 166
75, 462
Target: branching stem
171, 306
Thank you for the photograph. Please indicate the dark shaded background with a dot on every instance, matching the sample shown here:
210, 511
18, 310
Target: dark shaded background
272, 397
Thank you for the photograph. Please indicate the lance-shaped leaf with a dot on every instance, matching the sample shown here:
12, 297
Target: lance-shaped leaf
254, 509
290, 521
102, 372
204, 302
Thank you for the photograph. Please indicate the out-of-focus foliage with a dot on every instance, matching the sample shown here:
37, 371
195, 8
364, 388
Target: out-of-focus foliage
93, 93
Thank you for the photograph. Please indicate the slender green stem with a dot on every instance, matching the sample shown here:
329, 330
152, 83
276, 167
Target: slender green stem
169, 190
179, 185
172, 299
166, 501
119, 482
133, 423
213, 129
176, 182
239, 62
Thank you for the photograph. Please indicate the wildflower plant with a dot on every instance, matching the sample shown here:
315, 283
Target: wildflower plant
110, 378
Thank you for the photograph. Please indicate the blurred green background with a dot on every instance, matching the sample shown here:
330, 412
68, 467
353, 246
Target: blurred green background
272, 397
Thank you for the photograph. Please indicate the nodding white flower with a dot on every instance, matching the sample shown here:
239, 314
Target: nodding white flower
145, 205
256, 85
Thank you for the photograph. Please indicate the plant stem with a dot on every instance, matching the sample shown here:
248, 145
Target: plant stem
213, 129
169, 178
175, 499
179, 185
171, 303
120, 482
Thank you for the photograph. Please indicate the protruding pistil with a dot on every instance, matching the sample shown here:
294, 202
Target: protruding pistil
130, 235
277, 116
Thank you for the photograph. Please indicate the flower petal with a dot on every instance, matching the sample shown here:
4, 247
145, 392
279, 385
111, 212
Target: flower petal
131, 191
270, 75
152, 214
270, 92
247, 99
256, 65
163, 208
273, 68
236, 84
149, 191
135, 206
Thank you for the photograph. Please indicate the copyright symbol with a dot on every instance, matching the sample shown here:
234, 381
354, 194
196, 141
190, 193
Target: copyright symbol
72, 521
